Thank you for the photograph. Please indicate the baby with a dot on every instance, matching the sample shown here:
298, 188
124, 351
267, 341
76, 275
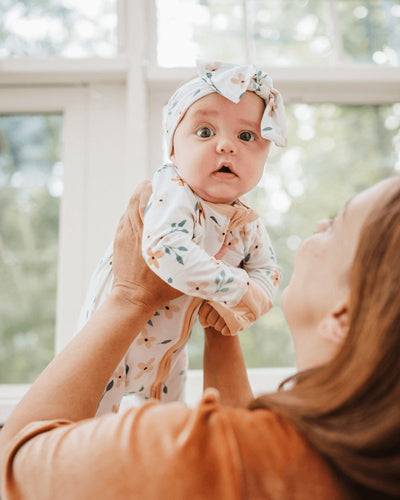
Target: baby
198, 234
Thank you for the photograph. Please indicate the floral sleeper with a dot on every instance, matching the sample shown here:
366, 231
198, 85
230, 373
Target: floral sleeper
211, 252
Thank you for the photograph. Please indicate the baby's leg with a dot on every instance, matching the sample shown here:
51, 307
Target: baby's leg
99, 288
174, 384
114, 391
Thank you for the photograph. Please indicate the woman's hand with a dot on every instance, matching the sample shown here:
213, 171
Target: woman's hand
133, 279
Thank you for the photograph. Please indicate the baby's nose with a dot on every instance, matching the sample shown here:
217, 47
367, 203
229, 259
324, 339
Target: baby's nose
226, 145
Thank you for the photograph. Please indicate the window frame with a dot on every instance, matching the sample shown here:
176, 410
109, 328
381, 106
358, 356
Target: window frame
112, 115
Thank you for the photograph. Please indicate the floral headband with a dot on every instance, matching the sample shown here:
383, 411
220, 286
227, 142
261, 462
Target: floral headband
231, 81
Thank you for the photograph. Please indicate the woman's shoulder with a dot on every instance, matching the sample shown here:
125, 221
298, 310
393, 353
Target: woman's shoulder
276, 461
258, 452
171, 451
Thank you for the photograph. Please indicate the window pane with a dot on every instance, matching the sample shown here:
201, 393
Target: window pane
281, 32
334, 152
370, 30
65, 28
31, 182
191, 29
287, 32
291, 32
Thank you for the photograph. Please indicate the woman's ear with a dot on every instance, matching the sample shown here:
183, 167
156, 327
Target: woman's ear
335, 326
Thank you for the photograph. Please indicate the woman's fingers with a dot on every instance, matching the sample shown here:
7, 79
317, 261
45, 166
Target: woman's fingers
137, 205
131, 273
127, 259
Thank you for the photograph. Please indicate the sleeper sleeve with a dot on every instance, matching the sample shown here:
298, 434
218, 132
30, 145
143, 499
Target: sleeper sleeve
260, 261
264, 276
170, 252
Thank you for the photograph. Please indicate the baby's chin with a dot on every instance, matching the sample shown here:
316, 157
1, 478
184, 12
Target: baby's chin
216, 197
219, 199
224, 201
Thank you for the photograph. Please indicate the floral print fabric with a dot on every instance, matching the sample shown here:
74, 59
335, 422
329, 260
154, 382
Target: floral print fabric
231, 81
210, 252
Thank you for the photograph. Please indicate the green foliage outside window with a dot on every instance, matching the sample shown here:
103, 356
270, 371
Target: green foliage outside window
30, 186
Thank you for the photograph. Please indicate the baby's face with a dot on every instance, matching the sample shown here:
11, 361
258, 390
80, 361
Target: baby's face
218, 148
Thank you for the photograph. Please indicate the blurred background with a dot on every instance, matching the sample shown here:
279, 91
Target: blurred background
83, 87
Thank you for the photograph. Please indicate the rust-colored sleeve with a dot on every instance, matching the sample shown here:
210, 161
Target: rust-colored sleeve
169, 452
153, 452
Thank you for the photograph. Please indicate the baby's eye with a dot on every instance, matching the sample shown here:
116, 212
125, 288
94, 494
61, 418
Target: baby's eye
205, 132
247, 136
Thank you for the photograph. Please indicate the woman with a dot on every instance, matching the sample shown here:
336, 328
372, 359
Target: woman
333, 434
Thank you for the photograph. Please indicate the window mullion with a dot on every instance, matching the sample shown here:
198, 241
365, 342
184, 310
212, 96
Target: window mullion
137, 132
152, 34
248, 41
337, 37
122, 33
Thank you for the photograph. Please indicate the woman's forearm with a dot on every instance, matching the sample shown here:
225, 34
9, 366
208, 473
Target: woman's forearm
72, 384
225, 368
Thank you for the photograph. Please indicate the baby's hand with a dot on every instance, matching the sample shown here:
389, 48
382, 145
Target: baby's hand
208, 316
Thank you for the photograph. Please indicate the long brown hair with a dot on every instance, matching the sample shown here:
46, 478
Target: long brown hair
349, 408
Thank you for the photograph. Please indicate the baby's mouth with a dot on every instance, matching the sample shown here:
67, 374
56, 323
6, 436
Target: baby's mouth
226, 169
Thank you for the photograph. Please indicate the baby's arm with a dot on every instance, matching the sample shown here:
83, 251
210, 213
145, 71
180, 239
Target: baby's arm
170, 252
260, 261
264, 275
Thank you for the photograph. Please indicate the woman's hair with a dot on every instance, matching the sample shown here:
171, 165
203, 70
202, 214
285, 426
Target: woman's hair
349, 408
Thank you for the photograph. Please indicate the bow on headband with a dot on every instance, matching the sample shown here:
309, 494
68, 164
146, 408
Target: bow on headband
231, 81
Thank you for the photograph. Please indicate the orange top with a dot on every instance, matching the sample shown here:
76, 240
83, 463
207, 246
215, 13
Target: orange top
167, 451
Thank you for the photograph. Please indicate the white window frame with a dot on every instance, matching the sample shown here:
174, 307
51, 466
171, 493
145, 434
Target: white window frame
112, 138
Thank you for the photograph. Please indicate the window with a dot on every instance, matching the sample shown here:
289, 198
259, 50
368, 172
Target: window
103, 70
67, 28
30, 189
278, 32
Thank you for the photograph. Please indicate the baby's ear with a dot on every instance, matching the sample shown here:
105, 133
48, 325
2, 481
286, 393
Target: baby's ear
335, 326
